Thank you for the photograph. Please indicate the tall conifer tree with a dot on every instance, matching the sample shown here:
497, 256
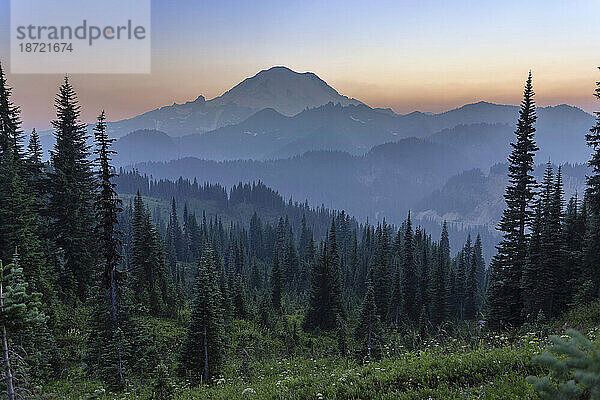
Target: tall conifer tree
71, 195
505, 298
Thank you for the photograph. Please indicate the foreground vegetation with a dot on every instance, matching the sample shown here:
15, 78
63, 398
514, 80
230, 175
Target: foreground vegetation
475, 364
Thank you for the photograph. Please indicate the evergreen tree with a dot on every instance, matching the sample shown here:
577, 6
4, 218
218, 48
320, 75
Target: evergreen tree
240, 302
19, 225
593, 141
71, 194
368, 331
381, 272
439, 285
325, 296
591, 251
409, 276
201, 356
19, 310
396, 302
276, 284
149, 274
505, 299
111, 319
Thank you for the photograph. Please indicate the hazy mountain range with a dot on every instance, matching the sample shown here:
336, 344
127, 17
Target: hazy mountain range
279, 88
303, 138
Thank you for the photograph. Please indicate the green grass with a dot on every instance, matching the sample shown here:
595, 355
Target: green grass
477, 374
463, 365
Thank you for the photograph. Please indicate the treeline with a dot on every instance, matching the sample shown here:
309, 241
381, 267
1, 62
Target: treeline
80, 260
549, 258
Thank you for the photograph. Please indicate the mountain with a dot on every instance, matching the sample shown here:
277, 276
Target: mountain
355, 129
145, 144
286, 91
384, 182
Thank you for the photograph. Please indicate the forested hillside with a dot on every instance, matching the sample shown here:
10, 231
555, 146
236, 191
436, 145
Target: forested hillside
118, 285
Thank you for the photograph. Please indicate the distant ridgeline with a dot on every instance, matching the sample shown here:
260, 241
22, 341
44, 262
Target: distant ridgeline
239, 205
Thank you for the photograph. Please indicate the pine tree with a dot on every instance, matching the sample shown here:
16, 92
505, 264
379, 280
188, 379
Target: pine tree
368, 332
240, 301
409, 276
381, 272
396, 301
111, 318
529, 278
325, 296
19, 224
276, 284
471, 285
71, 194
593, 141
201, 356
19, 310
10, 122
149, 272
591, 250
505, 299
439, 287
479, 265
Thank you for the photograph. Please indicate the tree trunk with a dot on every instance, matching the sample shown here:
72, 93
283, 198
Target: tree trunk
205, 357
10, 389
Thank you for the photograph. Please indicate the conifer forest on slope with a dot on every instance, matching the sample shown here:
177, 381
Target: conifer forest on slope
114, 285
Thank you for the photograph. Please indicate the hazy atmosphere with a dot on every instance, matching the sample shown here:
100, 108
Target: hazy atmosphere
315, 200
428, 55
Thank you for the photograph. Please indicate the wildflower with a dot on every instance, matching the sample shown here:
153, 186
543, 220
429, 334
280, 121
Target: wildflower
248, 391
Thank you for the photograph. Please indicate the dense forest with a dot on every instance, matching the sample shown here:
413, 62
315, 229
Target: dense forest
106, 278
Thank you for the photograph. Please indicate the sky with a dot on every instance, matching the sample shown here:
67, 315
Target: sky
426, 55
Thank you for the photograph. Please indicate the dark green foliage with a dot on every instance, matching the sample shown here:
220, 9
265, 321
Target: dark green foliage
148, 270
19, 311
18, 218
505, 300
593, 141
240, 300
396, 301
325, 301
574, 369
71, 188
276, 284
410, 282
368, 331
382, 281
201, 356
111, 347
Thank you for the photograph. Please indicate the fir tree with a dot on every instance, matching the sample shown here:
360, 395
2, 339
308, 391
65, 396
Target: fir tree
325, 296
409, 276
593, 141
505, 300
201, 356
276, 284
368, 331
71, 194
19, 309
110, 346
240, 302
396, 302
591, 250
19, 222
